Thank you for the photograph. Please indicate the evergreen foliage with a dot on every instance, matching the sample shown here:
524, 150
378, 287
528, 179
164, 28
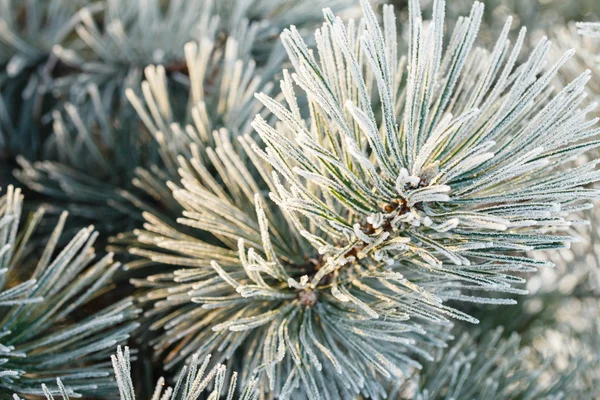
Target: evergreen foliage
409, 182
46, 329
191, 383
335, 236
493, 368
89, 162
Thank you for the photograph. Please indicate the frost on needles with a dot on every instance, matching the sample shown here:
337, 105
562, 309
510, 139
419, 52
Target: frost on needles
488, 366
194, 381
330, 248
85, 150
44, 330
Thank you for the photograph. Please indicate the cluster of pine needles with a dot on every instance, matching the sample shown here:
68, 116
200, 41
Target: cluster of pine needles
265, 199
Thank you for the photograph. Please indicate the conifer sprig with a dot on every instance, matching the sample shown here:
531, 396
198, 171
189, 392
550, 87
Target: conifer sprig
98, 153
324, 258
247, 293
409, 181
46, 329
463, 173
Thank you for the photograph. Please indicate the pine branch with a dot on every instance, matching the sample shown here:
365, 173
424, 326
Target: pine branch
320, 256
468, 195
265, 304
48, 327
410, 181
99, 153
